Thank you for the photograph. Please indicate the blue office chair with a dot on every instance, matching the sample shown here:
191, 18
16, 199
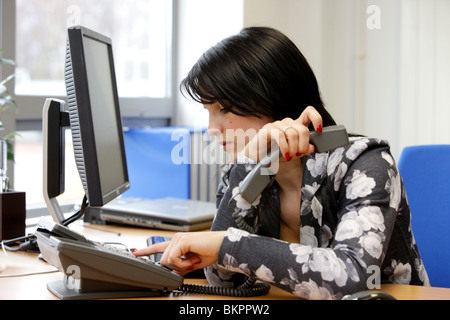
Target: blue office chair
426, 173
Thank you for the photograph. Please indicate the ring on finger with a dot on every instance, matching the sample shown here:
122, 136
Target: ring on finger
286, 128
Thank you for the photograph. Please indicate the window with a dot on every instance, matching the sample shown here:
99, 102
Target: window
142, 35
140, 29
145, 36
28, 158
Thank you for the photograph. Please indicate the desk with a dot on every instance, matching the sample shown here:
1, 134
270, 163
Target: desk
33, 287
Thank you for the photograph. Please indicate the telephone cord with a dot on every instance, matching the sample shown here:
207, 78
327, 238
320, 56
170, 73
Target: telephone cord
248, 289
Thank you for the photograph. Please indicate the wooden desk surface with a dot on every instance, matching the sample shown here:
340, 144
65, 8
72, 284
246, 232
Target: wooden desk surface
33, 287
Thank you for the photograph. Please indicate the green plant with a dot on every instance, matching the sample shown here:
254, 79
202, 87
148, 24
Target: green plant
6, 102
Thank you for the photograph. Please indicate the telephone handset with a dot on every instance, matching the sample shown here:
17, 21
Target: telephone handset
330, 138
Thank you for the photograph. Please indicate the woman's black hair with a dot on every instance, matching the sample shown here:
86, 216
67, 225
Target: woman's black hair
259, 71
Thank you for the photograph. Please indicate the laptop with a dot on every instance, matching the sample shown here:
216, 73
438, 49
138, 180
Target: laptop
166, 213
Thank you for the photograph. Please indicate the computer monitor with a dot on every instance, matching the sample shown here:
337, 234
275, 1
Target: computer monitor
95, 121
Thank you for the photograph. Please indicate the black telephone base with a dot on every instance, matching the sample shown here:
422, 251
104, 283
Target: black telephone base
62, 291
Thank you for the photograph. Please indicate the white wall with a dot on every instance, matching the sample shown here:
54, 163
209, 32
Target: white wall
202, 23
424, 100
391, 81
383, 65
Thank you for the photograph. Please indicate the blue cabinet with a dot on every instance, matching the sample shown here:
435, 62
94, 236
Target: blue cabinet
171, 162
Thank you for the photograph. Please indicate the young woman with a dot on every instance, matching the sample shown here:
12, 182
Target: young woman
329, 223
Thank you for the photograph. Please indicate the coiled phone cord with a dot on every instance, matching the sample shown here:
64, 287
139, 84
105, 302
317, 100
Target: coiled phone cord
248, 289
240, 222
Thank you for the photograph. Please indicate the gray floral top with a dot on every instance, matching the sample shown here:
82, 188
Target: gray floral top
355, 228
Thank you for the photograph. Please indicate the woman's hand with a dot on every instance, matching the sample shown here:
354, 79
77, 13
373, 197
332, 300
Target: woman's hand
187, 251
292, 136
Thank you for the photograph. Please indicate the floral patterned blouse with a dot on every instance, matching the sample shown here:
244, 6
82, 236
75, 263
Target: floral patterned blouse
355, 228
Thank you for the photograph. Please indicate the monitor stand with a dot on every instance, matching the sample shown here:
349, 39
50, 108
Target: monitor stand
55, 120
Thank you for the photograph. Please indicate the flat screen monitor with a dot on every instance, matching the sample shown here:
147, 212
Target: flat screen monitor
95, 120
94, 115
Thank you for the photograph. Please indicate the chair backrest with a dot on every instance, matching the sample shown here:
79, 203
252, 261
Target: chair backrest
426, 173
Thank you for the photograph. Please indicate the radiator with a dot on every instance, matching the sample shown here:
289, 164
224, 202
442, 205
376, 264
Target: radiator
207, 157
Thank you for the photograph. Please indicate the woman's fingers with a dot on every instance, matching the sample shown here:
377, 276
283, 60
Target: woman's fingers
187, 251
292, 136
311, 115
154, 249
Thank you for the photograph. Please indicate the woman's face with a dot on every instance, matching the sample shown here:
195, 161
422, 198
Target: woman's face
232, 131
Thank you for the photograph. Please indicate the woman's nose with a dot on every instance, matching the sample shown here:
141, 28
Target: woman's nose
214, 128
213, 131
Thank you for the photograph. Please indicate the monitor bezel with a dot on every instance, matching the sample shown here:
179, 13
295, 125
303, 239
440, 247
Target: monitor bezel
81, 118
